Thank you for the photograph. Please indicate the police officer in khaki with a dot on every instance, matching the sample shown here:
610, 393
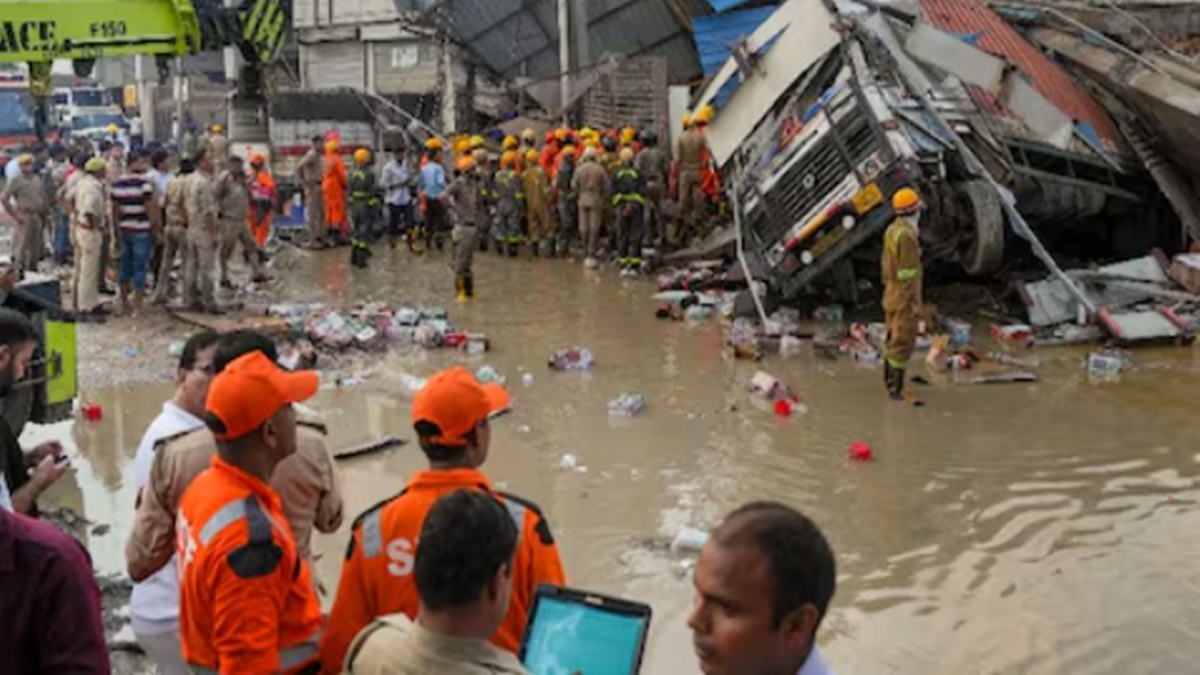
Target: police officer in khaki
203, 236
175, 240
592, 184
690, 156
24, 199
233, 209
464, 575
310, 172
89, 208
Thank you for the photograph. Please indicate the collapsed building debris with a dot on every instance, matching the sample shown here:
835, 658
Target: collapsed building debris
839, 109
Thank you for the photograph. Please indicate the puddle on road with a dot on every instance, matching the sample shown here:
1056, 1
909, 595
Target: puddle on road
1008, 528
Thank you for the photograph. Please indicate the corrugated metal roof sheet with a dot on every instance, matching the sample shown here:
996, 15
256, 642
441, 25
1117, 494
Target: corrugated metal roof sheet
520, 37
1000, 39
717, 34
726, 5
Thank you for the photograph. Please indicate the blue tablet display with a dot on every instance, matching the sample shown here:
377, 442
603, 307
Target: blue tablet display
568, 638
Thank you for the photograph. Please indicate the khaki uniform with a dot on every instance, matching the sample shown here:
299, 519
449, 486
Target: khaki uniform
217, 145
174, 237
200, 205
691, 149
593, 185
27, 194
537, 204
309, 172
654, 166
464, 195
308, 483
88, 209
509, 198
233, 208
397, 645
901, 266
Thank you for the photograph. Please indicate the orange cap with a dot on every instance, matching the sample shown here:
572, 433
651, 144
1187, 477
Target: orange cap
452, 403
258, 160
250, 390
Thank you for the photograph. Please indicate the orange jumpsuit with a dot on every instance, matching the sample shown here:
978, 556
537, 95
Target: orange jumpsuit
333, 189
377, 574
262, 206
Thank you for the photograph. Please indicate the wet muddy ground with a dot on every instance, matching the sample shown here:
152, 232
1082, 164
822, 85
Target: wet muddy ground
1027, 528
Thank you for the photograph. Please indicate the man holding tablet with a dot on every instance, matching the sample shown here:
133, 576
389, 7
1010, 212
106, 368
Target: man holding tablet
763, 583
450, 415
464, 576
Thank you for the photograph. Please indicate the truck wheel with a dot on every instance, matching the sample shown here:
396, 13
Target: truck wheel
17, 407
983, 252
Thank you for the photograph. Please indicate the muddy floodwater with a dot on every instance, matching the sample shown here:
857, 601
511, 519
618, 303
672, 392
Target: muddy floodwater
1044, 528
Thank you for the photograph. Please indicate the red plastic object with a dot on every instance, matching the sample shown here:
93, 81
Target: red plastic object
454, 339
92, 412
860, 452
783, 407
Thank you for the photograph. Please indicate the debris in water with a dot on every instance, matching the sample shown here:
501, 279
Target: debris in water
487, 374
92, 412
958, 330
789, 344
689, 539
570, 462
698, 313
1010, 360
175, 350
1106, 366
129, 352
1006, 378
626, 405
860, 452
574, 359
1017, 333
527, 378
959, 362
767, 386
524, 429
830, 314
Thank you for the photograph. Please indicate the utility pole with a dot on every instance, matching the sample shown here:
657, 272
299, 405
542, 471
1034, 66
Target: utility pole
564, 56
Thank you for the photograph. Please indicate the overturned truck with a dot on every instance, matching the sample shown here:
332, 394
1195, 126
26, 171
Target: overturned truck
822, 116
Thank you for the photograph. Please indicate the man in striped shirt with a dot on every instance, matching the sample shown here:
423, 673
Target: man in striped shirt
136, 216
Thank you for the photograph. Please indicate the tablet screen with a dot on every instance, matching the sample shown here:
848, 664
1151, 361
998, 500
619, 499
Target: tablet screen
570, 638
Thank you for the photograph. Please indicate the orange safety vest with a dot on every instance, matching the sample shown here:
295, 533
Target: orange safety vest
247, 603
377, 574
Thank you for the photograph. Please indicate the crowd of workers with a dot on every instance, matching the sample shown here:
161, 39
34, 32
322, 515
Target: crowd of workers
100, 205
586, 192
235, 474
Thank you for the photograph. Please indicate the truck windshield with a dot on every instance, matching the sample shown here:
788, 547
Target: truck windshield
97, 120
61, 98
16, 111
88, 98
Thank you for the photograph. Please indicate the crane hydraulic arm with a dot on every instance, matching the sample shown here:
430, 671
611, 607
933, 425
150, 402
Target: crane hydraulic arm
38, 32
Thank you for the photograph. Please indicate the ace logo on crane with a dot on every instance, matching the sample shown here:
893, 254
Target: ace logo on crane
27, 36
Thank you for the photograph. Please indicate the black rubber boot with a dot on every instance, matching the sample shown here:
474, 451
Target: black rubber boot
513, 250
469, 285
895, 382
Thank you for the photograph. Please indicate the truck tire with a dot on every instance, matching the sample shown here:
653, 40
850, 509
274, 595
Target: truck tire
983, 213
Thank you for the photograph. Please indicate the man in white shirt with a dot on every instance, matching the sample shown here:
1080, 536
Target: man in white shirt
763, 584
397, 182
154, 607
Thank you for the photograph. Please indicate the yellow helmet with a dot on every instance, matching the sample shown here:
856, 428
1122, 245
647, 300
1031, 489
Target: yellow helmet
508, 158
217, 128
568, 150
704, 115
532, 156
511, 143
905, 201
112, 128
461, 145
465, 163
362, 156
529, 135
587, 132
331, 145
686, 121
560, 134
434, 143
476, 142
626, 154
628, 134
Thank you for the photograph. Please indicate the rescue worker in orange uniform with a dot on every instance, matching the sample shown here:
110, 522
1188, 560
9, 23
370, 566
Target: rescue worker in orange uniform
901, 267
537, 205
451, 416
333, 190
247, 600
263, 198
